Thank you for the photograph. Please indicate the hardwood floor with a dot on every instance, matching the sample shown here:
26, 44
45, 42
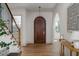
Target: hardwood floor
40, 50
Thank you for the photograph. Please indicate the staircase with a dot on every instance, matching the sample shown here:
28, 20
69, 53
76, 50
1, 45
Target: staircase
15, 36
13, 20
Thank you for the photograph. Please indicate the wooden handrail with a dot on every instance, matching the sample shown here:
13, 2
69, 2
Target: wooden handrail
10, 33
67, 44
14, 21
12, 15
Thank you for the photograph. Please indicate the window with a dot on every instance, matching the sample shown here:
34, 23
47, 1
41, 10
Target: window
18, 21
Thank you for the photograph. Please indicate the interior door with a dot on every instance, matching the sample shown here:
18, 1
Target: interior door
39, 30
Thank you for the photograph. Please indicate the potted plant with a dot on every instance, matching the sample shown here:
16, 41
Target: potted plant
2, 32
2, 26
4, 44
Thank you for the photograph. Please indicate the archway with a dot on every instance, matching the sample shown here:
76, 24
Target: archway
39, 30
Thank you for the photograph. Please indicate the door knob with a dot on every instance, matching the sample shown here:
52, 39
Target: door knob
43, 32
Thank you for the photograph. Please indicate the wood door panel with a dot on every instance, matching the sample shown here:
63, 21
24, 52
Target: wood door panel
39, 30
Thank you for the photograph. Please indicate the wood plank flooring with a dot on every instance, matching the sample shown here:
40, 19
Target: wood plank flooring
40, 50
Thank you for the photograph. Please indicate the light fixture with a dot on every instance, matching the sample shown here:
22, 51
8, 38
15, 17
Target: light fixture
39, 10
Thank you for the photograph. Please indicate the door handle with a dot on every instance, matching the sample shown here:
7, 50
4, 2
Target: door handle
43, 32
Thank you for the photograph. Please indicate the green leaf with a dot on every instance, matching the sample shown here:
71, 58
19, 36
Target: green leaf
2, 33
0, 30
2, 26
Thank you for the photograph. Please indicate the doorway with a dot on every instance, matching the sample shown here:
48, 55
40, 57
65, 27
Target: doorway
39, 30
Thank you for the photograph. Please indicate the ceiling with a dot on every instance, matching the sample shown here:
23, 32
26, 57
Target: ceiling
33, 6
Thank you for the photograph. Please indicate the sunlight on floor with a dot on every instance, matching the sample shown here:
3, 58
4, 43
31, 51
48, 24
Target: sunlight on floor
41, 49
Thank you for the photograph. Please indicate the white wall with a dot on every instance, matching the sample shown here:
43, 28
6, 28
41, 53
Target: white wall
27, 27
30, 27
61, 9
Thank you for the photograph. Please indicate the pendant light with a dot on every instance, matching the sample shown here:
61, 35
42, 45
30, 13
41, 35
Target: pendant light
39, 10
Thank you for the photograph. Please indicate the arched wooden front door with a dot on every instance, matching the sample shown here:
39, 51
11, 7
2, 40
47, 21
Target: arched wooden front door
39, 30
